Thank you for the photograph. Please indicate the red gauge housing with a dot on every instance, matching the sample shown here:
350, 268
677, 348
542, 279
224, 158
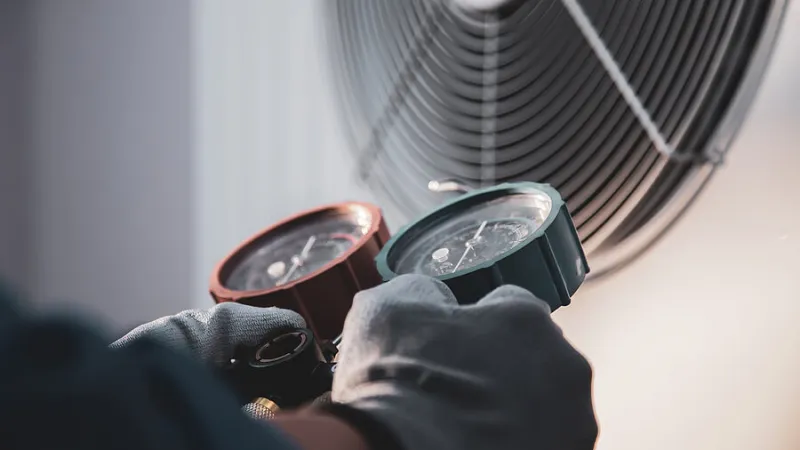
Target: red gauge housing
324, 296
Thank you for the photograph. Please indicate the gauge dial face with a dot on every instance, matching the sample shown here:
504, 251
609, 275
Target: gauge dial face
298, 249
470, 237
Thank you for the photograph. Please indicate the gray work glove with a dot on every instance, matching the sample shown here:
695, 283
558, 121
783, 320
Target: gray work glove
494, 375
213, 334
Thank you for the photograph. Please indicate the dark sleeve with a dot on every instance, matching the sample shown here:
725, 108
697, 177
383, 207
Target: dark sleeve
62, 388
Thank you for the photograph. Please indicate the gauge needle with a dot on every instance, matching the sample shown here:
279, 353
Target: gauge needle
470, 243
307, 248
480, 230
297, 261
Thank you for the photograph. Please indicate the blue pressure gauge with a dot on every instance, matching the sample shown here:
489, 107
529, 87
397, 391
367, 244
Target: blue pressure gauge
514, 233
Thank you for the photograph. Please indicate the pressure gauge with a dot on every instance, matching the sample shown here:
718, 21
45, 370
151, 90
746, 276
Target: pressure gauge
515, 233
312, 263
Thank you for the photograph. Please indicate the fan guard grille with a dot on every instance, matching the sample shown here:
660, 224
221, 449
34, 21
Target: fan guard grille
431, 91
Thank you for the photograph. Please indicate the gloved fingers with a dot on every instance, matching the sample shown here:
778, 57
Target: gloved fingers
576, 409
513, 294
391, 315
576, 372
513, 311
214, 334
322, 400
409, 288
376, 308
586, 429
570, 423
240, 324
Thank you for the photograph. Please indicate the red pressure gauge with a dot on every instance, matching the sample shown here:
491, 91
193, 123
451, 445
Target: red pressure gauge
312, 263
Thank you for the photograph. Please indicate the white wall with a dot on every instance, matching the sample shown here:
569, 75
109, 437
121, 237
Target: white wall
163, 133
14, 173
111, 154
160, 135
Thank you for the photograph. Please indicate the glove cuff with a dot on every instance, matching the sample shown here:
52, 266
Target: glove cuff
375, 433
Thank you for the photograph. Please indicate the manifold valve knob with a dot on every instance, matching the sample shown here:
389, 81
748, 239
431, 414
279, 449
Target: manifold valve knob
261, 409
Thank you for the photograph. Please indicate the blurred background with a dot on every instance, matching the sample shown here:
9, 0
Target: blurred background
140, 141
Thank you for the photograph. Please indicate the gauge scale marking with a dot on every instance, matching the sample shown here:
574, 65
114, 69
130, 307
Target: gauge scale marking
514, 233
471, 246
296, 254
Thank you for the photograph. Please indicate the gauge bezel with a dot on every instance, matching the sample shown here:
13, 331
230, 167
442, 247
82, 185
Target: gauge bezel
551, 245
225, 267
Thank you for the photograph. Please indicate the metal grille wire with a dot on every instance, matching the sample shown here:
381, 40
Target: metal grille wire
430, 90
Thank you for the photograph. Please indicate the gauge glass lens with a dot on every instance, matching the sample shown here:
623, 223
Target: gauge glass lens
476, 235
299, 249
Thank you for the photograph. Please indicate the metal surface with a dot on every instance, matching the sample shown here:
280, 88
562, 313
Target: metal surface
261, 409
448, 186
609, 258
524, 92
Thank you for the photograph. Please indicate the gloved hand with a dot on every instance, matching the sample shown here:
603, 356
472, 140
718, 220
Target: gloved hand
494, 375
213, 334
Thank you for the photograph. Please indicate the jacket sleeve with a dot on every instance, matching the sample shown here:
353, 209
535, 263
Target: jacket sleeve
61, 387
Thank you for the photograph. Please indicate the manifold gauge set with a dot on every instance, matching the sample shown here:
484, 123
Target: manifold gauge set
316, 261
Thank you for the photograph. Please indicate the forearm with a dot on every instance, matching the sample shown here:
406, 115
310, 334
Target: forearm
142, 397
319, 431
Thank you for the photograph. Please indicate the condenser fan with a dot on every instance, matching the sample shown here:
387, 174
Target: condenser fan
625, 106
